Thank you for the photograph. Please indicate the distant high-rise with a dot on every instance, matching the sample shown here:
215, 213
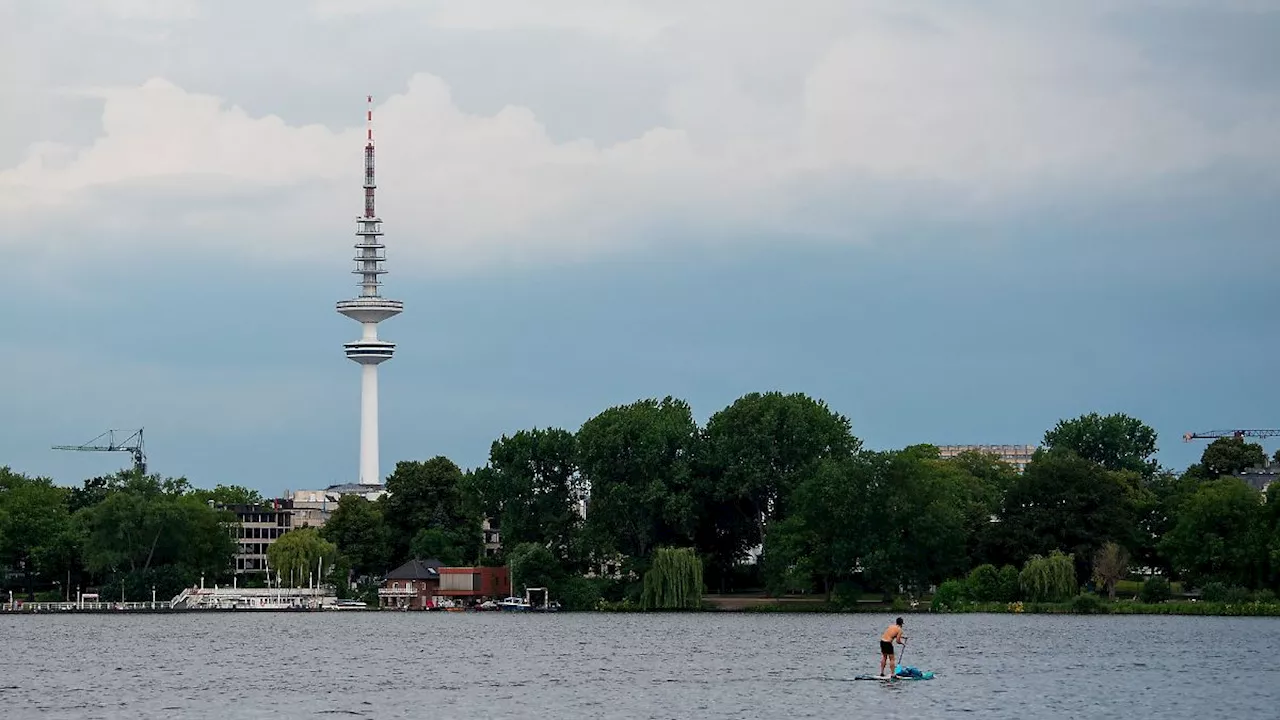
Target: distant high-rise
369, 309
1016, 455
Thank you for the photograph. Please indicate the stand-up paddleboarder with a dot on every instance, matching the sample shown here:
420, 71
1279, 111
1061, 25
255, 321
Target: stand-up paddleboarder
893, 632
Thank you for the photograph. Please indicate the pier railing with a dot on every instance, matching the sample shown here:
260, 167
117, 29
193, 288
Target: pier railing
53, 607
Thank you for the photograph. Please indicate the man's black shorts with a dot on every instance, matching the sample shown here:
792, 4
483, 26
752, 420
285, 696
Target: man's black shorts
886, 648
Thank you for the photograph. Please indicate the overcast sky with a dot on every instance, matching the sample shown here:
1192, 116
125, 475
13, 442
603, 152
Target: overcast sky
955, 222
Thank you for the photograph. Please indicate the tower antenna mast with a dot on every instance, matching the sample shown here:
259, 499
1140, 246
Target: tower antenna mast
369, 308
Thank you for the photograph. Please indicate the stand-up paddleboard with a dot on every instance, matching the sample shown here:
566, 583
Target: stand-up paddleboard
904, 673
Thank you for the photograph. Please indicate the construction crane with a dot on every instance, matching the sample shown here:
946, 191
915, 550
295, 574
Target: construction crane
131, 444
1240, 434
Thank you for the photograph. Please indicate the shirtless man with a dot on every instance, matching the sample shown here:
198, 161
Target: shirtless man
886, 647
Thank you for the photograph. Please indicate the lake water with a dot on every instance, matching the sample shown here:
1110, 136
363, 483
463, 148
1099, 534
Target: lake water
568, 666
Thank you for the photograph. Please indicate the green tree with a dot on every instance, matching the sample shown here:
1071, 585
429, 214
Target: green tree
755, 453
1231, 455
1065, 502
532, 487
829, 528
532, 565
301, 555
1049, 579
146, 524
429, 495
1220, 534
673, 581
922, 518
1116, 442
229, 495
359, 531
33, 520
636, 460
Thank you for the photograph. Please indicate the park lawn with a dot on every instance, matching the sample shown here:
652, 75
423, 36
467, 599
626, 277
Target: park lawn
1131, 587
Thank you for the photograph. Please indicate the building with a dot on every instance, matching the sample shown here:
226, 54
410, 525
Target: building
1259, 478
312, 508
257, 527
472, 584
412, 586
1016, 455
492, 537
369, 308
426, 584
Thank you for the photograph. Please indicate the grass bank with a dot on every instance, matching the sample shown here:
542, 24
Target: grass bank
1086, 604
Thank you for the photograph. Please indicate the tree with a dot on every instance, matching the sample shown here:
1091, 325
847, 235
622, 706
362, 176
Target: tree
429, 495
673, 581
1231, 455
1066, 502
149, 531
359, 531
532, 565
531, 486
229, 495
1220, 534
755, 453
33, 516
1049, 579
829, 529
920, 519
301, 555
1110, 564
636, 461
1116, 442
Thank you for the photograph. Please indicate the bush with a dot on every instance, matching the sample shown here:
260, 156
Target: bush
1237, 595
579, 593
983, 584
1009, 586
1213, 592
950, 596
1265, 596
1086, 604
1155, 590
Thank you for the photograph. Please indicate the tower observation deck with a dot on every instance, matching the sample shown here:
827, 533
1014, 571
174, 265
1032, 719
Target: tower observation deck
369, 308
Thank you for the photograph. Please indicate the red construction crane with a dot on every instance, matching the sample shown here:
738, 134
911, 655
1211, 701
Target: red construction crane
1212, 434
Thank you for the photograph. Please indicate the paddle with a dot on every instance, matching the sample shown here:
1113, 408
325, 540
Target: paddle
904, 654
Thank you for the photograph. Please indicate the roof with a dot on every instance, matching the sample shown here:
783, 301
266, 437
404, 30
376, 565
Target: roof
417, 570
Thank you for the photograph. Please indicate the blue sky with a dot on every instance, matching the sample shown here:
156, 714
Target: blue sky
953, 225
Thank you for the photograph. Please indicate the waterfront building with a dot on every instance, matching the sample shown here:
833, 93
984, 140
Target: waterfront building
257, 527
425, 584
1016, 455
411, 586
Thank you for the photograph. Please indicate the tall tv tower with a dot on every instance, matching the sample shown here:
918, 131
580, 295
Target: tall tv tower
369, 309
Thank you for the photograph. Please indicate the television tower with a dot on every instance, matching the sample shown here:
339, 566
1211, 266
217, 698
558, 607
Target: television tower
369, 309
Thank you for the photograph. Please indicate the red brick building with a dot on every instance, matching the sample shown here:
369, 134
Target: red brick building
420, 584
411, 586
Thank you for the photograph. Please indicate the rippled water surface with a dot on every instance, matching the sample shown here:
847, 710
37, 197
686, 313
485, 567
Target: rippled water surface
568, 666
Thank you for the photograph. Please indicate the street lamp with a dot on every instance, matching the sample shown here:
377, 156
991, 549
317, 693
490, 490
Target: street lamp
153, 595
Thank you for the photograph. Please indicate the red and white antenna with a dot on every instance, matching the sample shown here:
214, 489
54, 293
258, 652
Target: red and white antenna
369, 184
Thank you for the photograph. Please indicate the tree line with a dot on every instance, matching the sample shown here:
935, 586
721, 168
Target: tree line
773, 492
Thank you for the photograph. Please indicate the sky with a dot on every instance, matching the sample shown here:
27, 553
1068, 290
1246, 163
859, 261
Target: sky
953, 222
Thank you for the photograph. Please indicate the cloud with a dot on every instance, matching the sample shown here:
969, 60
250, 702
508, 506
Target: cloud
820, 121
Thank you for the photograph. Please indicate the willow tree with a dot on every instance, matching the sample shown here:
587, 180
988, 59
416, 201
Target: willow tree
674, 581
1049, 579
298, 554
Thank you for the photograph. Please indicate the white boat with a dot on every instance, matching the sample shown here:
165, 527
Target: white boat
515, 604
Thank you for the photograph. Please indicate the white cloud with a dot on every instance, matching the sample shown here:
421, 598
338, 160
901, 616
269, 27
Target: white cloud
981, 108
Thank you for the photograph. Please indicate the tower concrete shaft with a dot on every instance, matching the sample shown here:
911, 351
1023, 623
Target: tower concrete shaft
369, 308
